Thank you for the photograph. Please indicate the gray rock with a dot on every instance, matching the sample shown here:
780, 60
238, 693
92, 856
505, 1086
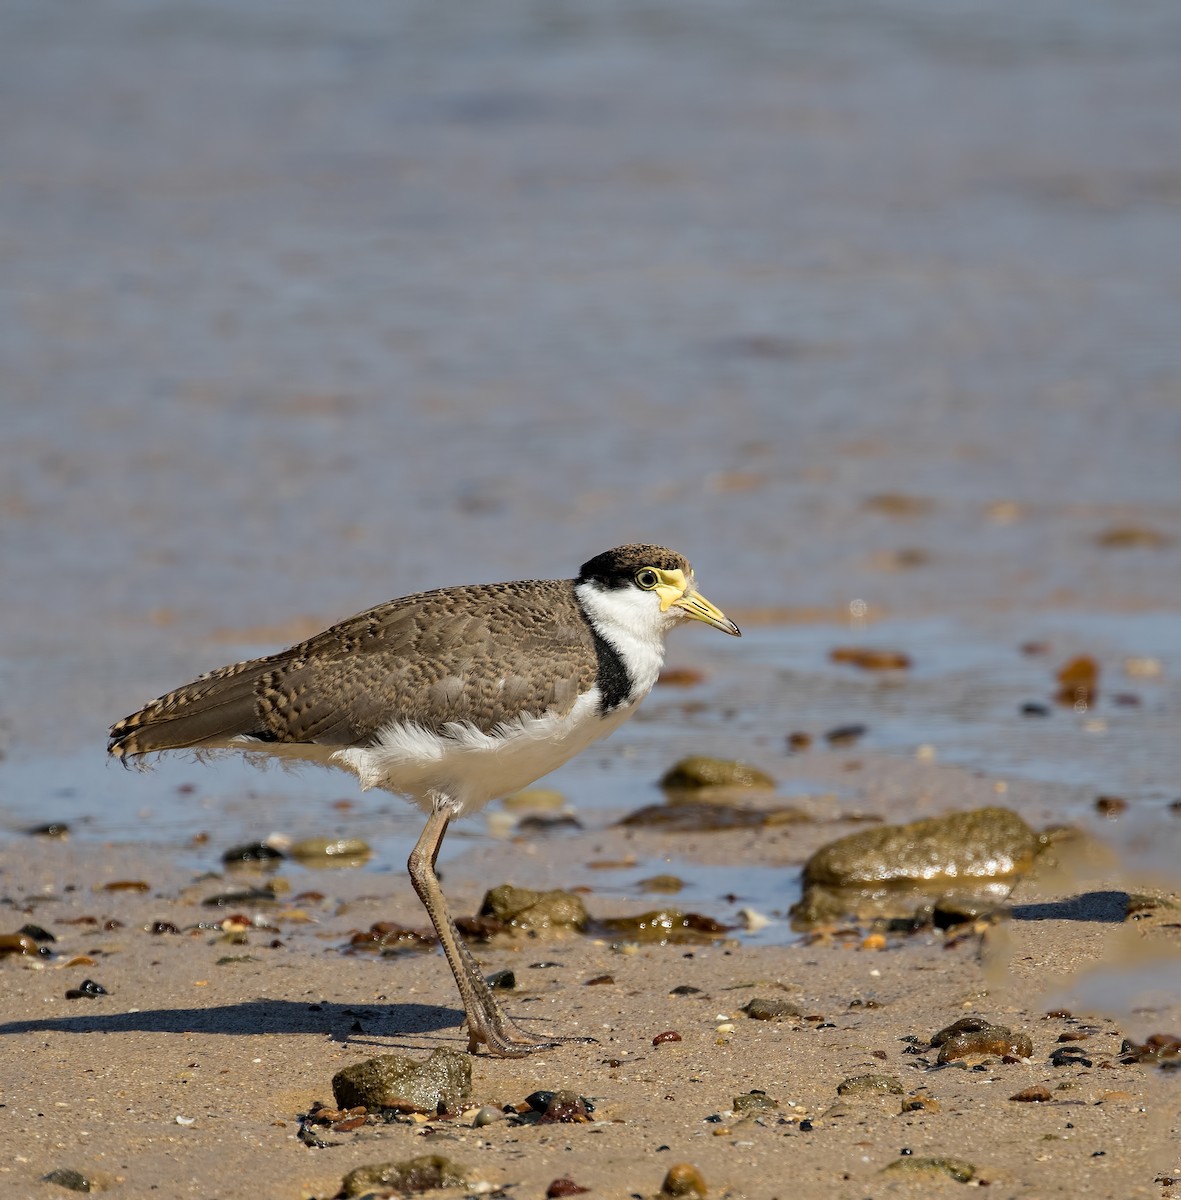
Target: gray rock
439, 1084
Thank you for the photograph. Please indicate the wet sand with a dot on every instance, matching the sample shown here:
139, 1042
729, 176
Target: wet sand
869, 311
239, 1037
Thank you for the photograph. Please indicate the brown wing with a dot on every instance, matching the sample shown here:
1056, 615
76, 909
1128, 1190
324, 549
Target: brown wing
481, 654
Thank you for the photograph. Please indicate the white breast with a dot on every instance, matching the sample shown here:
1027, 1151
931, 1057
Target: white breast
468, 768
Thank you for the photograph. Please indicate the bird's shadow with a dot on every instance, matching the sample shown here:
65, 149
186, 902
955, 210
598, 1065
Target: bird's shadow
1108, 908
382, 1024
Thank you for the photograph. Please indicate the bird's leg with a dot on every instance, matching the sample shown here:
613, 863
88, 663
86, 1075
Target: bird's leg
485, 1021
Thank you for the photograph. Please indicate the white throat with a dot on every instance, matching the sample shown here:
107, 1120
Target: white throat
632, 622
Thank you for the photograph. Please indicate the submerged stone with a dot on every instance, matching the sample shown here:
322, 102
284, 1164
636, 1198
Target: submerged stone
421, 1174
394, 1081
701, 771
329, 851
709, 816
667, 925
523, 908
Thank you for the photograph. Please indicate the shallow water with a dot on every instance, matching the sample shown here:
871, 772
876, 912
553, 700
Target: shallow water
303, 307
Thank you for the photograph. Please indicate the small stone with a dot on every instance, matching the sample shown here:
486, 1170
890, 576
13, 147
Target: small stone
523, 908
1110, 806
565, 1187
867, 658
1037, 1094
340, 851
957, 1168
669, 1035
599, 980
701, 771
394, 1081
661, 883
487, 1115
684, 1179
252, 852
764, 1009
845, 735
17, 943
798, 741
88, 989
503, 980
667, 926
421, 1174
565, 1107
753, 1102
974, 1037
127, 885
67, 1177
870, 1085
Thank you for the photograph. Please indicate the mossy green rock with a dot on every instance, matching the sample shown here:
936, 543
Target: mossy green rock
440, 1084
421, 1174
964, 863
986, 843
701, 771
527, 909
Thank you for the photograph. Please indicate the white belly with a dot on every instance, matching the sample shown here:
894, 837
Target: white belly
465, 768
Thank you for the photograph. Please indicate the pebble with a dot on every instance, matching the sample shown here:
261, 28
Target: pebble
17, 943
701, 771
667, 926
868, 658
975, 1037
870, 1085
753, 1102
340, 851
669, 1035
421, 1174
957, 1168
763, 1009
68, 1178
88, 989
565, 1187
1037, 1094
393, 1081
523, 908
252, 852
503, 980
684, 1180
487, 1115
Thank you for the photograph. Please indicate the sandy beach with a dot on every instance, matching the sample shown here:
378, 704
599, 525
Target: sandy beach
870, 310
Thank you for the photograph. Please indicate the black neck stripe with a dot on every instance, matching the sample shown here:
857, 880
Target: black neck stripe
615, 684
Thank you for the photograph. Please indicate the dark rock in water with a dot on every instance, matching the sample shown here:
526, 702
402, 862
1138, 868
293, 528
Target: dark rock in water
975, 1037
51, 829
956, 1168
421, 1174
668, 884
241, 899
709, 816
504, 980
762, 1009
523, 908
870, 1085
67, 1177
252, 852
845, 735
753, 1102
701, 771
667, 926
438, 1085
684, 1180
961, 863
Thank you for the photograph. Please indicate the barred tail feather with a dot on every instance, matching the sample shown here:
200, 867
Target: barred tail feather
207, 712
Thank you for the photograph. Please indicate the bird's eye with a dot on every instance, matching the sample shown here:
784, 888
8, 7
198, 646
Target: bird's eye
647, 578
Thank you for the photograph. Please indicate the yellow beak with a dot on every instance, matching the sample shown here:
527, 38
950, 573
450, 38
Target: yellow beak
700, 609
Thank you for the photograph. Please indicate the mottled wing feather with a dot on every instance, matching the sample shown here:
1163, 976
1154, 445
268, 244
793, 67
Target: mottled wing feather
527, 648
